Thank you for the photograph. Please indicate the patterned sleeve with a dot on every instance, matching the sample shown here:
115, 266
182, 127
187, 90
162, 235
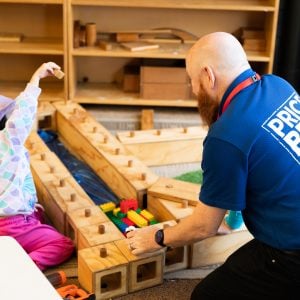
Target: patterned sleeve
19, 121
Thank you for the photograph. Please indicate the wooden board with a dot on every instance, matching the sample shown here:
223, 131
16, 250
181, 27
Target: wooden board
175, 190
165, 146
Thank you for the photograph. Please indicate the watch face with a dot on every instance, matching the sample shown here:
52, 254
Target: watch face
159, 237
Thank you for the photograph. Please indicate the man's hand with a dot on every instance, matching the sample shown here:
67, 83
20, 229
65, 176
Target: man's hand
143, 240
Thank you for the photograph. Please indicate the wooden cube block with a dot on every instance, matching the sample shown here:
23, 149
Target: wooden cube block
165, 91
175, 258
89, 236
103, 272
158, 74
83, 217
144, 270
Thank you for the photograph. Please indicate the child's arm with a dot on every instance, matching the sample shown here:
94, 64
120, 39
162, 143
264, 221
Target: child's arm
20, 120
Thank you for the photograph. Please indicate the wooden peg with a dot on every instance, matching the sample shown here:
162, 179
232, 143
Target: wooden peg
103, 252
43, 156
75, 110
143, 176
101, 229
73, 197
87, 212
95, 129
105, 139
169, 186
131, 133
130, 163
185, 130
52, 169
158, 132
184, 204
62, 183
117, 151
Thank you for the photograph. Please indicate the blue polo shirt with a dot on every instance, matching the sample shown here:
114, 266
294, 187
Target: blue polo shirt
251, 160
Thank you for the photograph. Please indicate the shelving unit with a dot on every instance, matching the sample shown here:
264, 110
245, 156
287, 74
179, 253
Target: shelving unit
41, 24
93, 72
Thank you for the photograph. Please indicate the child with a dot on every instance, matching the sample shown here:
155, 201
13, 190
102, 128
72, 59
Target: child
20, 215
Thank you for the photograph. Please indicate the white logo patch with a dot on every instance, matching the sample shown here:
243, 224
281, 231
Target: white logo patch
284, 126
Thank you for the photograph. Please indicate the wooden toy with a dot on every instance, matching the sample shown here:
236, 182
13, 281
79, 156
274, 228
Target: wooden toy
103, 270
98, 150
166, 146
144, 270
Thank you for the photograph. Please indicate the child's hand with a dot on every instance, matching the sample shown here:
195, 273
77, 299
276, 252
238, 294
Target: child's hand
45, 70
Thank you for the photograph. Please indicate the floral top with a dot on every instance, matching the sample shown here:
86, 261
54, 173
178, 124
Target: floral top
17, 189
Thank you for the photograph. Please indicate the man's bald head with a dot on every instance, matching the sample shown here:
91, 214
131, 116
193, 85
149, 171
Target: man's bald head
213, 63
219, 50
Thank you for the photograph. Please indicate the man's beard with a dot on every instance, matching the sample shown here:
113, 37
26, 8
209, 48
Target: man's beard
208, 107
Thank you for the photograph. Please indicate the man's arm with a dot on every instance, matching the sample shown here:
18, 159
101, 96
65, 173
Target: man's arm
203, 223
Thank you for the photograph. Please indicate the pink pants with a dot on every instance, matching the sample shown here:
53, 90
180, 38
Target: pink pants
46, 246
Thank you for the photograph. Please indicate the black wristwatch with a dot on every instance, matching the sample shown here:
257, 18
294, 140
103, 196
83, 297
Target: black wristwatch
159, 237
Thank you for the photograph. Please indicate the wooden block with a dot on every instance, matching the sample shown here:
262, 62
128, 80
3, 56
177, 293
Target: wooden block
98, 151
58, 73
131, 83
57, 201
173, 145
165, 91
144, 270
216, 249
127, 37
175, 190
35, 145
161, 75
165, 210
106, 277
46, 116
10, 37
147, 119
79, 218
139, 46
175, 258
89, 236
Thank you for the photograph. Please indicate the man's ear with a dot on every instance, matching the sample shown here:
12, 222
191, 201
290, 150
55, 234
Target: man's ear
211, 76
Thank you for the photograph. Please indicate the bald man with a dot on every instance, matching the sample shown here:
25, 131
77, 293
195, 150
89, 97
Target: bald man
251, 162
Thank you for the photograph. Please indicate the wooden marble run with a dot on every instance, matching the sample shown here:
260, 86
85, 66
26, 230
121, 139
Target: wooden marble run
173, 145
106, 266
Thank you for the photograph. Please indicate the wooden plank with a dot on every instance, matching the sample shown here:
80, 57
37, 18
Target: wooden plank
103, 152
165, 146
104, 275
216, 249
165, 210
175, 190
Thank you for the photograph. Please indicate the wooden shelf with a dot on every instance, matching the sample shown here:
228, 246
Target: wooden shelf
246, 5
50, 91
96, 93
33, 46
174, 51
33, 1
166, 51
